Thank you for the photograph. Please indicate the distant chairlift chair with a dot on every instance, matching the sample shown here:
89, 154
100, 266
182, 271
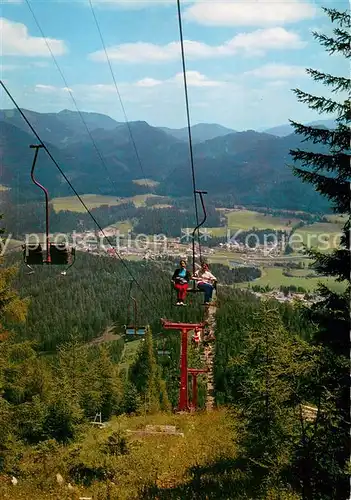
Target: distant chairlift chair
134, 331
56, 254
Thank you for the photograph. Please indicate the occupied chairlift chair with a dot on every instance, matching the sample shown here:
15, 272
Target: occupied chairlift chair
192, 283
56, 254
193, 288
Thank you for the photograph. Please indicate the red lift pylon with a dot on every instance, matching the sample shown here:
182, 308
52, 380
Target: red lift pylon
184, 328
194, 372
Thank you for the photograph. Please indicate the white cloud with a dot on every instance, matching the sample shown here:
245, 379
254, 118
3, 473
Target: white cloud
138, 52
16, 41
12, 67
277, 71
147, 87
134, 4
250, 12
40, 64
8, 67
195, 79
148, 82
259, 41
51, 89
255, 42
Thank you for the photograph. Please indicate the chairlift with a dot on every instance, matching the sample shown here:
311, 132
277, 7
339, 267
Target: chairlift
55, 254
163, 351
133, 330
192, 288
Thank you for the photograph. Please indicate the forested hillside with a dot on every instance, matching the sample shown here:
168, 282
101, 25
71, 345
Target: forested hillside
55, 377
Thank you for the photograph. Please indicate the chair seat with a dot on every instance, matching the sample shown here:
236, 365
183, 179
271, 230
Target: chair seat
130, 330
59, 255
193, 287
33, 254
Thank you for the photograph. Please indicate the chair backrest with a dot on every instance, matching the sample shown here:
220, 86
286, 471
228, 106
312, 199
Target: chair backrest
33, 254
130, 330
193, 287
59, 254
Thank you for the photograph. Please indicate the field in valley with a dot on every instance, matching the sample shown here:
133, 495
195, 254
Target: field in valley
146, 182
322, 235
72, 203
248, 219
274, 277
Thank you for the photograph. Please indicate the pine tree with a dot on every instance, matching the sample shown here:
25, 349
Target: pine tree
329, 172
270, 372
145, 375
12, 308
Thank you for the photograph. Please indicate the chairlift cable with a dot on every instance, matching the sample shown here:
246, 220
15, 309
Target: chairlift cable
120, 98
72, 187
188, 120
69, 91
117, 90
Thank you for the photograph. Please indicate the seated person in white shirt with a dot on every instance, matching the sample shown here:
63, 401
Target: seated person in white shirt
205, 281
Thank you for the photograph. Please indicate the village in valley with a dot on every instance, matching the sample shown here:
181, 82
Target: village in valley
286, 273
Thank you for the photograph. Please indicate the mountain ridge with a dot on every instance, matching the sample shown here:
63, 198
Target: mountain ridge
250, 166
200, 132
287, 128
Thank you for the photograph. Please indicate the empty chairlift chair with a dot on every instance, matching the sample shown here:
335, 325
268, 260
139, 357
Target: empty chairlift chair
133, 330
56, 254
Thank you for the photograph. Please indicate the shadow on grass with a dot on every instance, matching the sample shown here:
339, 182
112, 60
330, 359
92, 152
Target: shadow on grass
226, 479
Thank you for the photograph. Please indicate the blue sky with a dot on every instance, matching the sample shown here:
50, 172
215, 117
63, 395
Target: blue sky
243, 58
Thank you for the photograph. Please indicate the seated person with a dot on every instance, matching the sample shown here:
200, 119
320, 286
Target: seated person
206, 282
180, 278
196, 338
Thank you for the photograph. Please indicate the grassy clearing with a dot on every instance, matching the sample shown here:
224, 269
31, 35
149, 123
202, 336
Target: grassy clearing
323, 236
146, 182
123, 227
72, 204
217, 231
140, 199
129, 353
161, 205
223, 257
160, 461
336, 218
247, 219
273, 276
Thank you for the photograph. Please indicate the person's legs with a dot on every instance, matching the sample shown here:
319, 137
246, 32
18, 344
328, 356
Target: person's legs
208, 292
183, 292
207, 289
178, 287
